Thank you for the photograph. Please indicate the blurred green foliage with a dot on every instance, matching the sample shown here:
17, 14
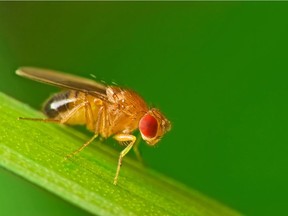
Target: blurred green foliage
217, 70
86, 180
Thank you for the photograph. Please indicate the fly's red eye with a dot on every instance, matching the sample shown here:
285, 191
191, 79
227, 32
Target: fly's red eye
148, 126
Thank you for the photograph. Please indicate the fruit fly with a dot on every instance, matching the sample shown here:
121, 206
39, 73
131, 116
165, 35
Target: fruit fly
107, 111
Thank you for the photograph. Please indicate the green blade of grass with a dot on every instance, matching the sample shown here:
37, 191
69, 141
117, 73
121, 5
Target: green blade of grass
36, 150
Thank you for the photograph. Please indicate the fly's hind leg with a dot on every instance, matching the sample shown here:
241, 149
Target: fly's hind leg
89, 120
59, 121
39, 119
123, 138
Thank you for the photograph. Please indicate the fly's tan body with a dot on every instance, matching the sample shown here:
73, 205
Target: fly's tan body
105, 110
104, 118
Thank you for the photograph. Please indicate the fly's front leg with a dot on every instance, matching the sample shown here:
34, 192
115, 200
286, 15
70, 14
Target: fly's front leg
123, 138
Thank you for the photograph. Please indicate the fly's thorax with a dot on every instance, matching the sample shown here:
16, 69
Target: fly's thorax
126, 100
124, 110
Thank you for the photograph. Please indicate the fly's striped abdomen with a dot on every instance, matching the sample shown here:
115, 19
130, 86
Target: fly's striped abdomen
60, 103
71, 107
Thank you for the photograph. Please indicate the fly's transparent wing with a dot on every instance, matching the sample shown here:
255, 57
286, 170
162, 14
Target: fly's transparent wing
64, 80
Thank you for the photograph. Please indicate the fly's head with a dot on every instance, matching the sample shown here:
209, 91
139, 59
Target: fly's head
153, 125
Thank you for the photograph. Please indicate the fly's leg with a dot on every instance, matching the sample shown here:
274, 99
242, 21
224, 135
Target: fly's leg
59, 121
123, 138
89, 118
100, 124
82, 147
39, 119
136, 149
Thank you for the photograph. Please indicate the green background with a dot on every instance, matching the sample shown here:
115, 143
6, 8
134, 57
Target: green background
217, 70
